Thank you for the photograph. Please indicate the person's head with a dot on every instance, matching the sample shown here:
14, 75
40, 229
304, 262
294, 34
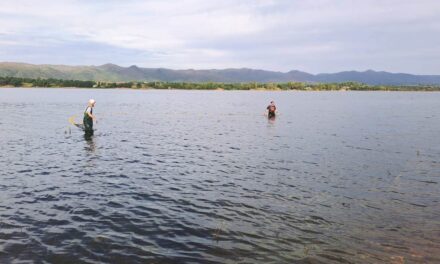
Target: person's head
92, 102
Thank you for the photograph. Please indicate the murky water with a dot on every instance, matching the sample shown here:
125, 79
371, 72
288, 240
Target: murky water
204, 177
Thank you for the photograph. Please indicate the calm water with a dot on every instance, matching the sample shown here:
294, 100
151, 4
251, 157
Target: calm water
204, 177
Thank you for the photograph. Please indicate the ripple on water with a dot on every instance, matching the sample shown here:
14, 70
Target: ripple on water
332, 183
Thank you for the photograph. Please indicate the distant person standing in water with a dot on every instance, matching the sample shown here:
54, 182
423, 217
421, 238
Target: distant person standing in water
89, 117
271, 110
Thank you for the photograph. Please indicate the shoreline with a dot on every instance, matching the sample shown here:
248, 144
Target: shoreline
9, 82
217, 90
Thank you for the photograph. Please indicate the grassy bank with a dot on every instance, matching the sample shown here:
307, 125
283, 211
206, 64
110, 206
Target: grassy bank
347, 86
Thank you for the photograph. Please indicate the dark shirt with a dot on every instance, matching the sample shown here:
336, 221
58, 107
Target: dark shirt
271, 108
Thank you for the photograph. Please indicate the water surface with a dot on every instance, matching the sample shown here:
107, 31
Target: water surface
204, 177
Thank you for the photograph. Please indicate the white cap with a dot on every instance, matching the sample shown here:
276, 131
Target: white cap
91, 101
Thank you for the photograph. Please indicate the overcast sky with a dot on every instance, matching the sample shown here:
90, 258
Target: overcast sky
313, 36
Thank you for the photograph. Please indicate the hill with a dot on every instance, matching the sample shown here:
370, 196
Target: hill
115, 73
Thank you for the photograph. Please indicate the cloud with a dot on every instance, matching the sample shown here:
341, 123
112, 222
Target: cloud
316, 36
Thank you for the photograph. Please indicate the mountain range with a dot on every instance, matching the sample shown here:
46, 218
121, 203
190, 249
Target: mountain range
114, 73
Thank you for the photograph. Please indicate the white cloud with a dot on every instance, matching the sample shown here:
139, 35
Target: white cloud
278, 35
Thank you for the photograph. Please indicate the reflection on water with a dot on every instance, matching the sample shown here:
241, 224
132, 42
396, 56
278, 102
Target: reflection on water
271, 120
88, 137
338, 178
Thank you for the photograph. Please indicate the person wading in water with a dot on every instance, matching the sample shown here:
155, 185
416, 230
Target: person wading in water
89, 117
271, 110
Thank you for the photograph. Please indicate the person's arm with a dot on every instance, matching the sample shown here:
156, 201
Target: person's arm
90, 114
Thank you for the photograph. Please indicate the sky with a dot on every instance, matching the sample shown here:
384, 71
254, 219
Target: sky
314, 36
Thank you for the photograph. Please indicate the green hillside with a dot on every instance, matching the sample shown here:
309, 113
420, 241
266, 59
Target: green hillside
115, 73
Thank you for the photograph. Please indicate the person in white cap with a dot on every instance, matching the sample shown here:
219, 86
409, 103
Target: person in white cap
89, 117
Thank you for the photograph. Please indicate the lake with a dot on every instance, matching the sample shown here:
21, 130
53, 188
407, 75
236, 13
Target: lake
205, 177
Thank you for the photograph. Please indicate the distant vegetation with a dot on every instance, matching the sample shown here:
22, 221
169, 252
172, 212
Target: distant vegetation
346, 86
114, 73
27, 82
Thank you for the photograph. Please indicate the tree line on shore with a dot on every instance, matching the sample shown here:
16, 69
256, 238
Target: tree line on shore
346, 86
